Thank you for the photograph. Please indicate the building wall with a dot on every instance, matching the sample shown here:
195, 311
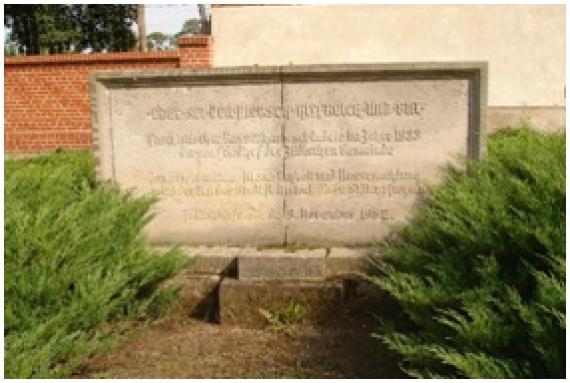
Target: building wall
46, 98
524, 45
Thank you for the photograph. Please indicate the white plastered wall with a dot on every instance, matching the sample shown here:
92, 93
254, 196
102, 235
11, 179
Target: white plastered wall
524, 44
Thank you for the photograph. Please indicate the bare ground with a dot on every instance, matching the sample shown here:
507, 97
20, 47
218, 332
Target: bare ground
187, 348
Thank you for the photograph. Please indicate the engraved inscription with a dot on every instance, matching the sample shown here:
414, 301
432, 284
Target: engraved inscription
376, 140
365, 109
309, 143
393, 183
319, 162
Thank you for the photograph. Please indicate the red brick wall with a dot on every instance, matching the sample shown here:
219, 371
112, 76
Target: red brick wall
46, 98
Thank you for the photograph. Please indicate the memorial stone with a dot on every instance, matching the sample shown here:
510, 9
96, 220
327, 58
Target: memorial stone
314, 155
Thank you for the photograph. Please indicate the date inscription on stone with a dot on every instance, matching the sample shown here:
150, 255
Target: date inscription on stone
275, 157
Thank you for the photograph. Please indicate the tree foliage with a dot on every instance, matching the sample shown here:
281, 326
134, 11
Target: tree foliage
106, 27
59, 28
195, 27
480, 272
157, 40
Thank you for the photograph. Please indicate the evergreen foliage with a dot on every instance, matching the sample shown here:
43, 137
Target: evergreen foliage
480, 271
75, 265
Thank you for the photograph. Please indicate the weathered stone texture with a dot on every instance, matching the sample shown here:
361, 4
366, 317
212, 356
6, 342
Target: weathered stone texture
347, 261
213, 260
267, 265
310, 155
241, 301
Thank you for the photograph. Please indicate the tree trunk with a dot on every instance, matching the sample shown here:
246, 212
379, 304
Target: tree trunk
142, 28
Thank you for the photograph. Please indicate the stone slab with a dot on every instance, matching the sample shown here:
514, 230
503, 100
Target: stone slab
309, 155
182, 142
241, 301
213, 260
206, 260
365, 148
279, 264
343, 261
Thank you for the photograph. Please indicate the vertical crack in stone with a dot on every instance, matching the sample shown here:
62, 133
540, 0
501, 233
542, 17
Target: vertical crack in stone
285, 219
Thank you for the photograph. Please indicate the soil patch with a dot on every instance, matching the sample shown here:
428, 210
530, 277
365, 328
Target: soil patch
188, 348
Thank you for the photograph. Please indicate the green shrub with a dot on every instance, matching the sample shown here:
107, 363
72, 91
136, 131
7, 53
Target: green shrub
480, 271
75, 264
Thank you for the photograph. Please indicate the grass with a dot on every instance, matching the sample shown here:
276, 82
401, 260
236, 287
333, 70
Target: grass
76, 266
480, 271
284, 318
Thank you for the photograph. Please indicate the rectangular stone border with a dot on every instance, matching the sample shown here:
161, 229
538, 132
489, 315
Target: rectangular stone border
99, 83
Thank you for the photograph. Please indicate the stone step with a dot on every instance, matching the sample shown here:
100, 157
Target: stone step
254, 303
215, 260
243, 285
247, 303
344, 261
278, 263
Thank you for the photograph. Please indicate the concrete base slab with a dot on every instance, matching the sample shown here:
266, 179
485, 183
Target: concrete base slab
211, 260
343, 261
241, 302
277, 264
